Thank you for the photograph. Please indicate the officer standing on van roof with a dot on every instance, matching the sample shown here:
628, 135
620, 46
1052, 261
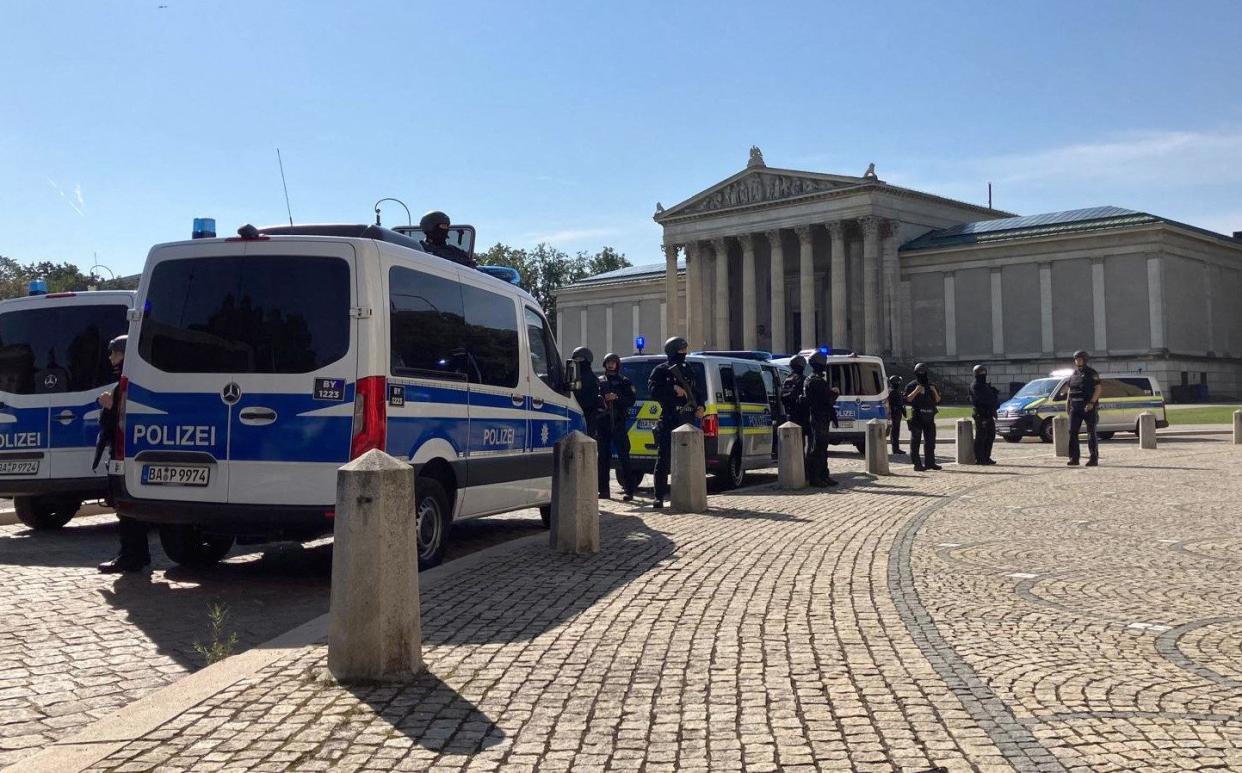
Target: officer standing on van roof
896, 412
618, 394
922, 397
1082, 404
672, 386
135, 554
984, 400
588, 391
820, 400
435, 227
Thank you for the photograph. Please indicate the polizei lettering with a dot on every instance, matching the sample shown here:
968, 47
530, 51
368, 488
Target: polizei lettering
497, 436
176, 435
20, 440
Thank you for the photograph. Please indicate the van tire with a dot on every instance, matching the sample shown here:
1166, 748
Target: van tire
45, 513
189, 546
636, 479
1013, 437
861, 445
1045, 431
735, 472
545, 515
432, 514
1107, 435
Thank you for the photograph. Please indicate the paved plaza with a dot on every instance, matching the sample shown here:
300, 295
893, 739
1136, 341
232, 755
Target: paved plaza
1021, 617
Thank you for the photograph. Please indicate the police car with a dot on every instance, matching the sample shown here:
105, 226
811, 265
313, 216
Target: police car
862, 383
53, 367
258, 365
1123, 396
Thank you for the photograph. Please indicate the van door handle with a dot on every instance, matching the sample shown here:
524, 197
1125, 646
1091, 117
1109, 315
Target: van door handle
536, 402
65, 417
257, 416
517, 400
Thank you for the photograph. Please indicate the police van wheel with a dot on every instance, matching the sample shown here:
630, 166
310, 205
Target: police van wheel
1105, 435
636, 479
545, 515
45, 513
735, 474
1013, 437
189, 546
1045, 431
432, 514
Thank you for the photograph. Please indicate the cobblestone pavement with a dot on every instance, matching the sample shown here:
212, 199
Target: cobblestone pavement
1019, 617
76, 645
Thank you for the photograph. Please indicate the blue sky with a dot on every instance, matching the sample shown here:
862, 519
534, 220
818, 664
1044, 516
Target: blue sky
565, 122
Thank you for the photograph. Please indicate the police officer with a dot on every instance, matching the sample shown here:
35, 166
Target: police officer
135, 554
587, 392
672, 386
984, 400
820, 403
896, 412
1082, 405
794, 403
435, 227
618, 394
922, 396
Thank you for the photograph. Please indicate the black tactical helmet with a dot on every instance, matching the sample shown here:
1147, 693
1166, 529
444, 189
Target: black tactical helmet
1080, 353
894, 381
920, 368
819, 361
582, 353
117, 344
432, 221
675, 344
798, 363
979, 369
612, 356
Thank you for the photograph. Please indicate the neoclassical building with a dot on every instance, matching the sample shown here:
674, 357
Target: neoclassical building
782, 260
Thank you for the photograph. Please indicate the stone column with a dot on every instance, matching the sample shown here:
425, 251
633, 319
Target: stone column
750, 300
840, 292
1155, 300
670, 285
721, 339
892, 278
872, 302
1098, 309
806, 287
777, 266
694, 300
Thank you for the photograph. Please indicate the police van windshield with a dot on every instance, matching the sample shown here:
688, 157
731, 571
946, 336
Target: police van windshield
58, 349
640, 370
1041, 387
269, 314
856, 378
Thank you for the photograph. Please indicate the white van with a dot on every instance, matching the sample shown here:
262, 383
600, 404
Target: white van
53, 366
863, 384
1123, 396
259, 365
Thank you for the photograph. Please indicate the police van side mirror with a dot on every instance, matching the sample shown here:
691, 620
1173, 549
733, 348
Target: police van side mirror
573, 377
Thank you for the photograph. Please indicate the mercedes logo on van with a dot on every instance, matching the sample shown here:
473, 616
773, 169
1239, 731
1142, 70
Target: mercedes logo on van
231, 393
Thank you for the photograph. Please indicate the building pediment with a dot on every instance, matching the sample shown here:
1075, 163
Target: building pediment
755, 186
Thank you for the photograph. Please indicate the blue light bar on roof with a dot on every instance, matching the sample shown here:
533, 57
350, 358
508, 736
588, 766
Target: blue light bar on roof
37, 287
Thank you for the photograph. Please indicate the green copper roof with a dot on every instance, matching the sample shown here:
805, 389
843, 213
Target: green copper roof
1032, 226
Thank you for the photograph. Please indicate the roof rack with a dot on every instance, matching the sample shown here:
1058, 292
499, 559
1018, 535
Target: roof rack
344, 230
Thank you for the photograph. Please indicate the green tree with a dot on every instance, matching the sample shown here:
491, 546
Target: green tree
61, 277
545, 269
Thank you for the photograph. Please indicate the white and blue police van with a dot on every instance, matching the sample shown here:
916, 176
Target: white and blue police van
53, 367
258, 365
863, 386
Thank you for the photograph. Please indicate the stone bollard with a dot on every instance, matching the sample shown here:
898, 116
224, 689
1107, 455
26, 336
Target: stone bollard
1237, 428
575, 495
1060, 435
875, 451
1147, 430
374, 631
965, 441
791, 466
688, 492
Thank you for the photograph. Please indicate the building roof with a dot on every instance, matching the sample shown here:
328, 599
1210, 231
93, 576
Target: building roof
1047, 224
628, 274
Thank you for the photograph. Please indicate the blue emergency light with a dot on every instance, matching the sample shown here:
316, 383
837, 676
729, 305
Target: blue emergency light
639, 343
37, 287
204, 228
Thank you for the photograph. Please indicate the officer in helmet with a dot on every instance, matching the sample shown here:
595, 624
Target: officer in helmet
672, 386
435, 227
923, 396
793, 401
619, 395
896, 412
588, 391
984, 400
135, 553
820, 400
1082, 404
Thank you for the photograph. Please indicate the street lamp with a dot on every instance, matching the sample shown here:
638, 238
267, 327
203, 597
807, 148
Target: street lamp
408, 218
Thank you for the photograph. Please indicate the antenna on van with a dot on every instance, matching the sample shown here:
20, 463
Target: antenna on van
285, 185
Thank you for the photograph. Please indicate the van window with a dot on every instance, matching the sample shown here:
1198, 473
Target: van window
545, 361
427, 326
750, 385
1124, 387
727, 387
491, 336
1137, 387
639, 371
62, 349
237, 314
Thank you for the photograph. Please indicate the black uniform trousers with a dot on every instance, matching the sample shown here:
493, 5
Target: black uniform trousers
985, 436
1079, 415
609, 439
134, 545
923, 430
894, 431
817, 458
664, 450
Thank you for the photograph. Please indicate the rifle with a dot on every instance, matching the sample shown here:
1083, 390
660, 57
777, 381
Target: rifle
680, 380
